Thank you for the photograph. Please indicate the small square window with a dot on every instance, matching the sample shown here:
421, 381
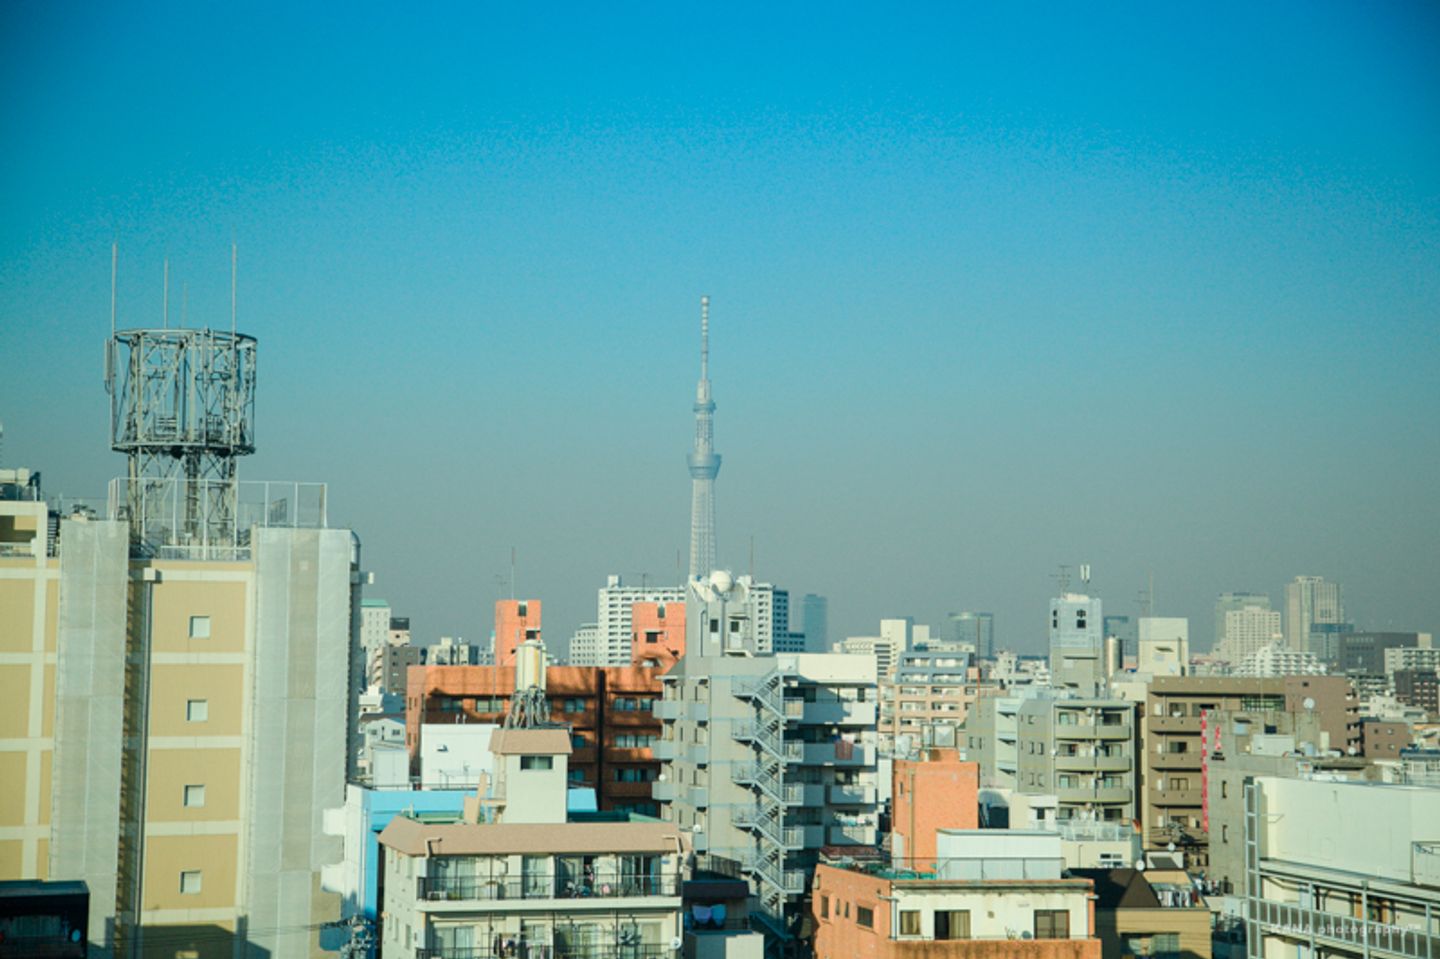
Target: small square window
199, 627
909, 922
195, 796
536, 762
190, 882
197, 710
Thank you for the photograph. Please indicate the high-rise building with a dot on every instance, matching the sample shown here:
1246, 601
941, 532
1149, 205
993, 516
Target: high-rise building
614, 620
1230, 602
1077, 647
704, 462
815, 623
1247, 630
180, 679
1310, 600
885, 649
516, 621
767, 758
977, 630
374, 624
584, 646
1164, 646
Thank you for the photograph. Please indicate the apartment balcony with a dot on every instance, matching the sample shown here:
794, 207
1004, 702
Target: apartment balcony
851, 835
629, 790
837, 754
852, 795
665, 791
632, 718
841, 712
1094, 794
1175, 797
666, 750
811, 794
555, 951
1167, 760
1173, 724
996, 948
471, 889
812, 836
629, 754
672, 710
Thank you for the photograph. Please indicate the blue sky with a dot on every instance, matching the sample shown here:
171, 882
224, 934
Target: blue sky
1153, 288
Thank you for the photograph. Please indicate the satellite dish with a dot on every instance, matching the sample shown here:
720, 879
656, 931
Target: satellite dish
1309, 703
1140, 865
1170, 847
676, 943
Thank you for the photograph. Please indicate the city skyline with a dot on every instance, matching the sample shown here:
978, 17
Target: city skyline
977, 323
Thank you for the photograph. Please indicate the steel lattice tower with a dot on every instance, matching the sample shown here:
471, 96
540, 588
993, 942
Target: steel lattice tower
704, 461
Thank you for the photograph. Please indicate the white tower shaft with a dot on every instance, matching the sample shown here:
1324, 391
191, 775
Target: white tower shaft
704, 461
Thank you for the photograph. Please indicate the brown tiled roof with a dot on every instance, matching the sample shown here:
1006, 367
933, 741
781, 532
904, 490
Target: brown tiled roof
458, 839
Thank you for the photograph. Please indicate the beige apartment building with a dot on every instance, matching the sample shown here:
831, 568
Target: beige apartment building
174, 718
1181, 728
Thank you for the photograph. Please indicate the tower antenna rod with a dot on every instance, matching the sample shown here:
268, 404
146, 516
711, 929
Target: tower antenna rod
165, 300
704, 337
114, 276
234, 267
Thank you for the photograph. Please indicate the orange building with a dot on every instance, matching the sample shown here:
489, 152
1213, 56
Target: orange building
610, 712
939, 791
876, 913
657, 636
516, 620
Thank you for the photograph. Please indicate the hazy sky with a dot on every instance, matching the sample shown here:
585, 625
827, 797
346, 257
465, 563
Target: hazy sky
1148, 286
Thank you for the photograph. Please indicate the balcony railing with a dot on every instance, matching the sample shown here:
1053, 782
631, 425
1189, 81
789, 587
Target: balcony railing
472, 889
535, 950
1355, 935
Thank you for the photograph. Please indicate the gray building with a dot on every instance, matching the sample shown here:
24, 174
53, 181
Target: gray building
766, 758
1077, 644
1080, 750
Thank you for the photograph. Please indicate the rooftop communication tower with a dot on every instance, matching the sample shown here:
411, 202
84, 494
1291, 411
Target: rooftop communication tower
182, 410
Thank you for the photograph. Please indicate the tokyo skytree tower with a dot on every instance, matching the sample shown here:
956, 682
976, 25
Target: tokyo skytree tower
704, 461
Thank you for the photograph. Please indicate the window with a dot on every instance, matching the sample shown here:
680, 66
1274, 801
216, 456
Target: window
197, 710
952, 924
910, 922
824, 907
190, 882
1052, 924
199, 627
577, 775
865, 916
574, 705
195, 796
1165, 945
537, 762
577, 741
